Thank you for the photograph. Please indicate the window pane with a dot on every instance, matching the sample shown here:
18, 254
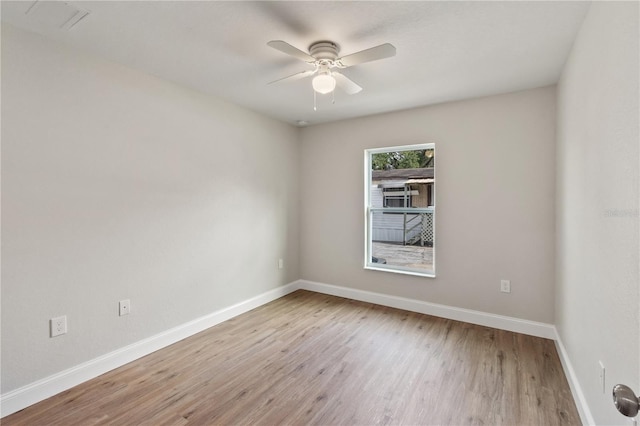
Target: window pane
401, 209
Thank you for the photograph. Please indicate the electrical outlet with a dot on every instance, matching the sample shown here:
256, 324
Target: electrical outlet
58, 326
505, 286
602, 377
125, 307
280, 263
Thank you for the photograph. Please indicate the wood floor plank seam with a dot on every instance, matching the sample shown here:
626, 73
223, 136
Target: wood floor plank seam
315, 359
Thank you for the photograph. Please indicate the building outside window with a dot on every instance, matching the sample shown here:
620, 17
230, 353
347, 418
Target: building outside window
400, 209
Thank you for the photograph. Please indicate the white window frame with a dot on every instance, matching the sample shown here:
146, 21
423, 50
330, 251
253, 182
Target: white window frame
369, 210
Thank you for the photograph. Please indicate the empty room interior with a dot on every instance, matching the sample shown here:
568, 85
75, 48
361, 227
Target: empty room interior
320, 212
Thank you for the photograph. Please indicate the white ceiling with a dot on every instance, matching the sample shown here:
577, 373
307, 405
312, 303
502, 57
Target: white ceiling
445, 50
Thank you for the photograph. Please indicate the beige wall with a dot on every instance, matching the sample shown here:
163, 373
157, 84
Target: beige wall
118, 185
494, 202
598, 300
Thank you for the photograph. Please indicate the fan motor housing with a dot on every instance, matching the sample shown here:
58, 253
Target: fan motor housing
326, 50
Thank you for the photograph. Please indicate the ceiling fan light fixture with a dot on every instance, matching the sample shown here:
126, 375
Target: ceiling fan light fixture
323, 83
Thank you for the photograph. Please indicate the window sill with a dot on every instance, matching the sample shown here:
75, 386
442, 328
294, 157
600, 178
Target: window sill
396, 270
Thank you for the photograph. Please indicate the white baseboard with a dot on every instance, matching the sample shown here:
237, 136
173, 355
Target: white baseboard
501, 322
25, 396
517, 325
576, 389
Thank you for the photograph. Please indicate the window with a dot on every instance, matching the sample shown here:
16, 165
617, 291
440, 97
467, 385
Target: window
396, 197
400, 209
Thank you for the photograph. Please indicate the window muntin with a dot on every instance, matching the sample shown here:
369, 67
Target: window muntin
400, 209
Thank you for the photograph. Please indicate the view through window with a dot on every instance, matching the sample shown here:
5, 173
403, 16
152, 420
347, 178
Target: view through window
400, 209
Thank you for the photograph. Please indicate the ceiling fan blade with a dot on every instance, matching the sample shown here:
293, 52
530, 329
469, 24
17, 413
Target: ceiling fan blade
285, 47
346, 83
296, 76
373, 54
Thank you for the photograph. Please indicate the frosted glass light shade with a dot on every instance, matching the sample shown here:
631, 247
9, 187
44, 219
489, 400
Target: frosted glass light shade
323, 83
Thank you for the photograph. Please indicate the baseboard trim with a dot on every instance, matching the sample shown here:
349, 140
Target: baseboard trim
517, 325
574, 385
32, 393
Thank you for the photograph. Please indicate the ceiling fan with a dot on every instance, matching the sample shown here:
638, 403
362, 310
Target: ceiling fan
323, 56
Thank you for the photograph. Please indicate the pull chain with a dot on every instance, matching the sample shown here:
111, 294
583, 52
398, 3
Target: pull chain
315, 99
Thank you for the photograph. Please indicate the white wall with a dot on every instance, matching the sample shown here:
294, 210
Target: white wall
597, 296
117, 185
495, 204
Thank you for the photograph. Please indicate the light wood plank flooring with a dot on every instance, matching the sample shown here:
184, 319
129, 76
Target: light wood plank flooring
309, 358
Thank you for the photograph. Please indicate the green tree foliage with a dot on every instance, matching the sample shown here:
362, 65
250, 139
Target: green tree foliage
400, 160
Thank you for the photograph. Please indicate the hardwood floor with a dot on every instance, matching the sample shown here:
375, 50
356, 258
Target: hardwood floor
309, 358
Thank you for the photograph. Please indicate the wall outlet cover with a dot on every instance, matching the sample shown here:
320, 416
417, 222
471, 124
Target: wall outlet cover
58, 326
125, 307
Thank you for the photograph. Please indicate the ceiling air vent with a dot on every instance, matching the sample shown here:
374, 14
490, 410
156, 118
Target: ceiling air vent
56, 14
